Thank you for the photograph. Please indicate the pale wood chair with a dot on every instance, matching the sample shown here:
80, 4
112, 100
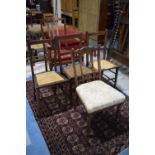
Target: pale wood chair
106, 64
94, 94
46, 79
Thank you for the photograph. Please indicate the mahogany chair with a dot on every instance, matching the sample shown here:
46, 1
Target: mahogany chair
106, 64
62, 48
50, 80
94, 94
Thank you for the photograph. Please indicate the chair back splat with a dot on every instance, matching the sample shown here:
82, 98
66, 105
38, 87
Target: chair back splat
101, 39
63, 45
33, 58
51, 26
91, 54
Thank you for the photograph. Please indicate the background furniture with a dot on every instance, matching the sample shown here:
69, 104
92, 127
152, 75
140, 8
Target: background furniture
69, 9
108, 14
119, 42
45, 6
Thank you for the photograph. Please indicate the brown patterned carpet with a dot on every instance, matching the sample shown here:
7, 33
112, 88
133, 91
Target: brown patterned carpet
65, 128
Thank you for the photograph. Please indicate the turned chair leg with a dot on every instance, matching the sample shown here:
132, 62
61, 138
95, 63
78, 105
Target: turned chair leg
116, 75
34, 94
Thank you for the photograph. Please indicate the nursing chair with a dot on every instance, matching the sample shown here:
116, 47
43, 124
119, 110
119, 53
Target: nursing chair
106, 64
94, 94
49, 80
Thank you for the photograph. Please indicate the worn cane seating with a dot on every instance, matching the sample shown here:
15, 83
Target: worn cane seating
106, 64
48, 77
94, 94
37, 46
69, 71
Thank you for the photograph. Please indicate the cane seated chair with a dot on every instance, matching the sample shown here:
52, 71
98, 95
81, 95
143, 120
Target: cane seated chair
45, 79
94, 94
106, 64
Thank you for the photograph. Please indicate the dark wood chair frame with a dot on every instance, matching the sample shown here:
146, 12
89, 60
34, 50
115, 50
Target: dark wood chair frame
33, 60
57, 48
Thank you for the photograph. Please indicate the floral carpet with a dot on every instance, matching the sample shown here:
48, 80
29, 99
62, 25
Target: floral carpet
64, 126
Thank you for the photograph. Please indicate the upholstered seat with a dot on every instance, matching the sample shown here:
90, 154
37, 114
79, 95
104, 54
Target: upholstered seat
105, 65
48, 78
97, 95
69, 71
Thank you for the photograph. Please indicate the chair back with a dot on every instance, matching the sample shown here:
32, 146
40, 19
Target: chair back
34, 58
63, 45
99, 38
33, 27
93, 54
68, 41
51, 26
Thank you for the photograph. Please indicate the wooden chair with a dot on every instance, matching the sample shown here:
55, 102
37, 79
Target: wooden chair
62, 54
46, 79
106, 64
94, 94
62, 48
52, 26
33, 25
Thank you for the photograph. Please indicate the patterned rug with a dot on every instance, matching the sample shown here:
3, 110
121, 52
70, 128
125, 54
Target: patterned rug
65, 127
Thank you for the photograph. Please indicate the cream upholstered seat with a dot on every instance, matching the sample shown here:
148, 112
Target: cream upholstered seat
105, 65
69, 71
97, 95
48, 78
